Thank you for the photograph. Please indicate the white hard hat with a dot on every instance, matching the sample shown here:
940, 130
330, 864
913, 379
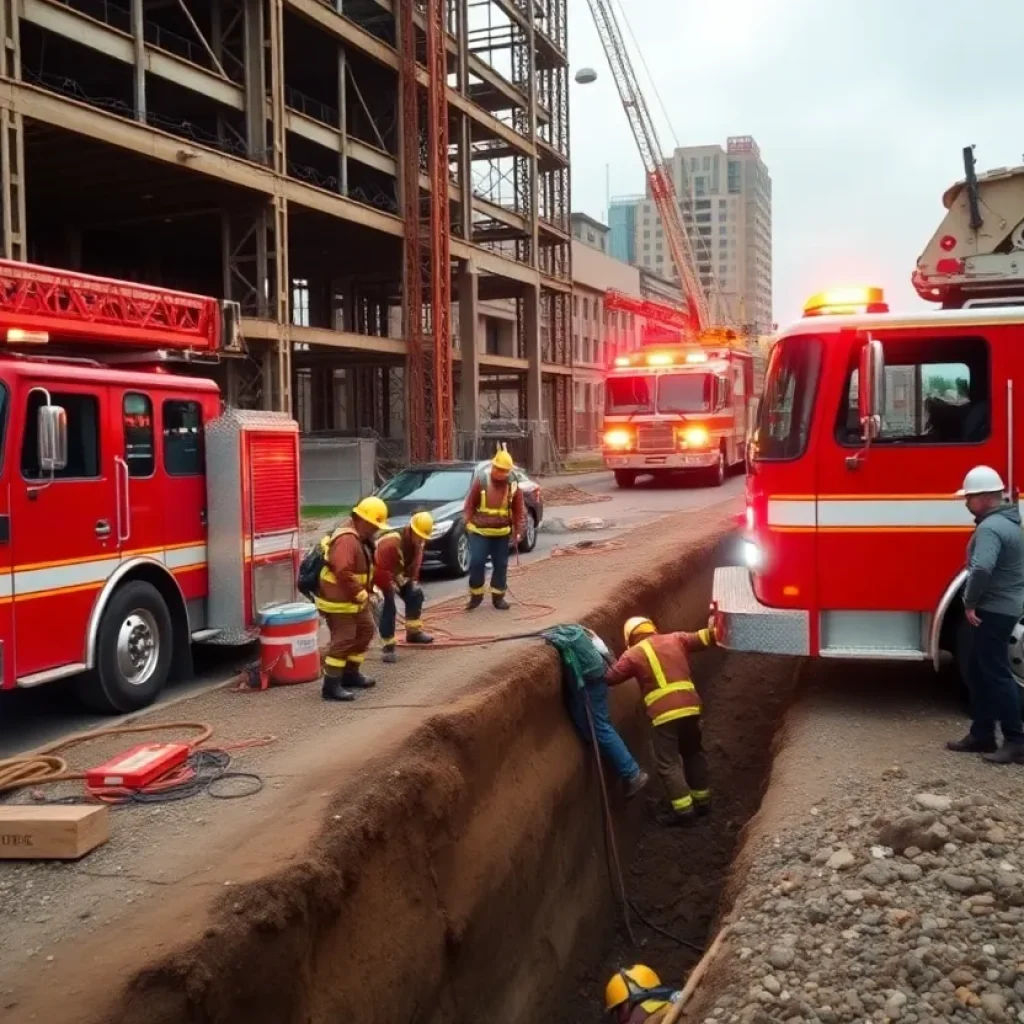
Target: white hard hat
981, 480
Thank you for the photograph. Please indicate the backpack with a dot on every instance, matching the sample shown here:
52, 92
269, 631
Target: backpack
307, 581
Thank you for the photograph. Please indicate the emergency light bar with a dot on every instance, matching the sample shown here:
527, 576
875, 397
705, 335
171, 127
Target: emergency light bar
846, 301
672, 357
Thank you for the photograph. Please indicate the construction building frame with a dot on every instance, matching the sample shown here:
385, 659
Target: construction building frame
359, 175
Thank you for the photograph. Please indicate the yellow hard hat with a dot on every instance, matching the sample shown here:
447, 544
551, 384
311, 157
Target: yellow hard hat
373, 511
638, 625
422, 524
503, 461
628, 982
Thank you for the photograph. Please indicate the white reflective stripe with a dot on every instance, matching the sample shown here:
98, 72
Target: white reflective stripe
36, 581
272, 544
926, 512
178, 558
784, 512
6, 585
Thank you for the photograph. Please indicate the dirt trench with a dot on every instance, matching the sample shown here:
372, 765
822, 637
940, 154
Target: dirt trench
469, 881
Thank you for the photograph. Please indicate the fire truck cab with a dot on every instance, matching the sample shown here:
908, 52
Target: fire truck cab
679, 408
854, 542
136, 515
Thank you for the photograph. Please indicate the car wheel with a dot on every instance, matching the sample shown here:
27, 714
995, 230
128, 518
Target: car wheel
133, 651
457, 562
625, 478
529, 541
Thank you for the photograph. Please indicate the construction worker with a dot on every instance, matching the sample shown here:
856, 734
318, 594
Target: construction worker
660, 663
399, 555
344, 598
635, 995
993, 602
494, 514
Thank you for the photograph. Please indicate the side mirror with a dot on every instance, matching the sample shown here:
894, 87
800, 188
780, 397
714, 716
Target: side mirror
53, 438
871, 389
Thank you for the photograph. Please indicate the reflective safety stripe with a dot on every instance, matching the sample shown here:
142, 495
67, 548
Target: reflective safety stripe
478, 591
413, 623
504, 512
334, 662
665, 688
705, 637
338, 607
671, 716
655, 695
328, 577
356, 659
683, 803
653, 1005
387, 642
497, 593
489, 531
702, 796
506, 505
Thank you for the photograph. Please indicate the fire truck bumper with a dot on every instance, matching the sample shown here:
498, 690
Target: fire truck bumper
675, 460
742, 623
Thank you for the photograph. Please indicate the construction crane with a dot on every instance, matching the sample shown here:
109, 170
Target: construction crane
660, 182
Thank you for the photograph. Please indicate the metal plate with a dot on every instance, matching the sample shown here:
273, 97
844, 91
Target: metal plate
752, 626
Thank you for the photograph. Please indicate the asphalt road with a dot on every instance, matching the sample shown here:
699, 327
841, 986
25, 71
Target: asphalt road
31, 718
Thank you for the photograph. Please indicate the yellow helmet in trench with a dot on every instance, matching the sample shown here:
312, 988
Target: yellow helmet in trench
637, 626
627, 983
422, 524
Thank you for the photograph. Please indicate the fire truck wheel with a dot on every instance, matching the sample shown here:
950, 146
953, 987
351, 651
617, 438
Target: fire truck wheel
625, 478
133, 651
719, 473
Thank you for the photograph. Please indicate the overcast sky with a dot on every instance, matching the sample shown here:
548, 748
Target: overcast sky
860, 108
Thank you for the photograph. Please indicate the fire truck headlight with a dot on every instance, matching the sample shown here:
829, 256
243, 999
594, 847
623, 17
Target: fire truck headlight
618, 438
751, 554
695, 437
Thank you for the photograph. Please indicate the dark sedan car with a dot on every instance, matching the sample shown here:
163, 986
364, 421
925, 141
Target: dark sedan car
441, 489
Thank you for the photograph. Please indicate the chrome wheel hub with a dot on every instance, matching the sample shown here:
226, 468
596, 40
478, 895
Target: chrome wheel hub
138, 648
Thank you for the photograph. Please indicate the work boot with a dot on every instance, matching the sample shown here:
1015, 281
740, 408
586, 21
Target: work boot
355, 680
970, 744
390, 655
475, 600
702, 808
675, 819
500, 603
334, 689
1008, 753
417, 636
636, 783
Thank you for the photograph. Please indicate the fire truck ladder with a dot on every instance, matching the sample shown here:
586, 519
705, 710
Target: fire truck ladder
652, 311
661, 185
40, 305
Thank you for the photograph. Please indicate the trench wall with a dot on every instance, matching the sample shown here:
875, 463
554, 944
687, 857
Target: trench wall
466, 884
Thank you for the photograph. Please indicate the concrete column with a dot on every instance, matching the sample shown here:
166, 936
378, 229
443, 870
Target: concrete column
469, 374
139, 67
255, 83
534, 375
12, 142
343, 121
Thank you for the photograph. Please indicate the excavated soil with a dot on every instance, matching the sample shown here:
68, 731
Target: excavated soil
465, 880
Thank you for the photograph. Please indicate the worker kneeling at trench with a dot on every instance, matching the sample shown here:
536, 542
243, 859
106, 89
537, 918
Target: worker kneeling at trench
660, 663
399, 556
343, 597
635, 995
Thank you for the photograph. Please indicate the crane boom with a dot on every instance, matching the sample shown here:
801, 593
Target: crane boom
663, 189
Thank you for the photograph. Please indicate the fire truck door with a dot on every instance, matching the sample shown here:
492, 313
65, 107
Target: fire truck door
890, 533
65, 546
141, 489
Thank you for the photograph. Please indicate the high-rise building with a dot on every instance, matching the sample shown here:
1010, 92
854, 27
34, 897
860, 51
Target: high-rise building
726, 195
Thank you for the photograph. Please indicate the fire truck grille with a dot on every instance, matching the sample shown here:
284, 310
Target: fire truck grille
652, 437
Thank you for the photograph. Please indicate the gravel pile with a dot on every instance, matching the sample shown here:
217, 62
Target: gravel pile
914, 916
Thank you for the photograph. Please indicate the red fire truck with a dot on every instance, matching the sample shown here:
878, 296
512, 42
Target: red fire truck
136, 514
854, 542
673, 408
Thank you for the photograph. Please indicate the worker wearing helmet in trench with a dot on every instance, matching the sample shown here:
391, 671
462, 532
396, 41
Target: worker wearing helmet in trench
660, 663
635, 995
343, 597
495, 516
399, 555
993, 603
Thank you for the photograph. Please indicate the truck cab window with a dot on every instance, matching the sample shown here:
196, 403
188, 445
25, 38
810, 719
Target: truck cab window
83, 412
936, 392
137, 419
784, 413
183, 438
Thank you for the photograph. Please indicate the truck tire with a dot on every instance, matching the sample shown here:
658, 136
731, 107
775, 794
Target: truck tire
625, 478
133, 651
720, 470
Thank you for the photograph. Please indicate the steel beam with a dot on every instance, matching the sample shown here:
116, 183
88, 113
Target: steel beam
12, 142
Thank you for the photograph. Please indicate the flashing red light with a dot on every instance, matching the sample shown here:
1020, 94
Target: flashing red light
949, 266
947, 243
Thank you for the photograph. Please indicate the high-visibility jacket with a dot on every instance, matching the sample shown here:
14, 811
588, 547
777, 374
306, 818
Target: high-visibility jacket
397, 560
347, 572
660, 663
494, 508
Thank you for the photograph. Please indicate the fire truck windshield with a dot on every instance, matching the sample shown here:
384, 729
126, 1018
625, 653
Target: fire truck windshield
784, 419
685, 392
629, 395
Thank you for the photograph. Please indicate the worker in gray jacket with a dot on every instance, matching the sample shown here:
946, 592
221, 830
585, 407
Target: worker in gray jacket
993, 602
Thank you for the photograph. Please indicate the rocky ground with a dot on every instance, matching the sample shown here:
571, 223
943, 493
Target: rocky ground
912, 913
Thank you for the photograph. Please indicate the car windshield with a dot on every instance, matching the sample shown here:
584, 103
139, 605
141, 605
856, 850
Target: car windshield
629, 395
427, 485
684, 392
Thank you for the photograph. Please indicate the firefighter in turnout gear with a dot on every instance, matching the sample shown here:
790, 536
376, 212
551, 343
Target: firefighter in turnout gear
635, 995
660, 663
344, 598
495, 516
399, 556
